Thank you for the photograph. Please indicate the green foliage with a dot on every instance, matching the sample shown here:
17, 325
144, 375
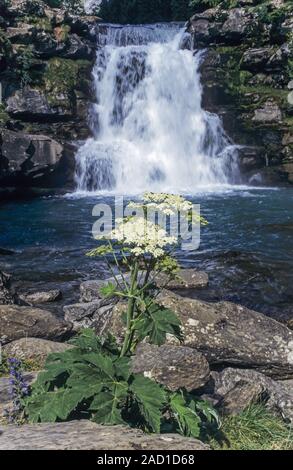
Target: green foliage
256, 428
154, 322
24, 62
93, 381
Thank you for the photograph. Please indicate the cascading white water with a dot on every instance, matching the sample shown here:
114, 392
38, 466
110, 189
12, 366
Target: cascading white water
150, 131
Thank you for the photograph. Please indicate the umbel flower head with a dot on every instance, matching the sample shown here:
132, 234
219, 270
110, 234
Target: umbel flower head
142, 237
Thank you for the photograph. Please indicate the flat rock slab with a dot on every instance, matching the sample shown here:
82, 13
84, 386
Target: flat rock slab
33, 348
21, 322
85, 435
187, 279
172, 366
42, 297
230, 334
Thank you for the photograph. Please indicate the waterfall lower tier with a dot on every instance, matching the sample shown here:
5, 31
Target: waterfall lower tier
150, 131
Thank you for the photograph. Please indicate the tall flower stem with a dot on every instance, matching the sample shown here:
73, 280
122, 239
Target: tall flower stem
130, 310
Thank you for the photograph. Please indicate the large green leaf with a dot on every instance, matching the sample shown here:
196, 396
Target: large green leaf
51, 406
150, 398
188, 420
107, 405
156, 322
87, 341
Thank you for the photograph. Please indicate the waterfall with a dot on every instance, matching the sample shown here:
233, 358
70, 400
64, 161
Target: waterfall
149, 129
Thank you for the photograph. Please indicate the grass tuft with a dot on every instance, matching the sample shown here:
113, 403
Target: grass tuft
254, 429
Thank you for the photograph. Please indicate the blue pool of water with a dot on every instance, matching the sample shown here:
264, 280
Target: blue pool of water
247, 247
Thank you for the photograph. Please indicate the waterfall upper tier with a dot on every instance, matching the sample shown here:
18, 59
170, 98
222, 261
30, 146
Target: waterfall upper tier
150, 131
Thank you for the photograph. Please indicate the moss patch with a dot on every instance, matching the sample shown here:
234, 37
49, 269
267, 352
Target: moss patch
63, 77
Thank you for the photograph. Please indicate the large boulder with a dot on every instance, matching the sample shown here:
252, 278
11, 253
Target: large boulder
20, 322
30, 104
85, 435
172, 366
226, 333
33, 349
33, 151
39, 160
228, 388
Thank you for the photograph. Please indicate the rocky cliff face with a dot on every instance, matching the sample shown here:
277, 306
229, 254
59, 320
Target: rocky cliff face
247, 75
46, 58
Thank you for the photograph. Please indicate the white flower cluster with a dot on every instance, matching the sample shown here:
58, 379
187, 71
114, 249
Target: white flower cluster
142, 237
168, 204
167, 201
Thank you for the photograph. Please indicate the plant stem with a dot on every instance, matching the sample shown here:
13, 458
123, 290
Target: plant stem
130, 311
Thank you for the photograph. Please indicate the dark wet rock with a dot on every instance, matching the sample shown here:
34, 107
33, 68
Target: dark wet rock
69, 47
84, 26
217, 26
251, 158
266, 59
39, 159
42, 297
31, 104
20, 322
85, 435
94, 314
7, 297
277, 395
33, 349
5, 252
227, 333
172, 366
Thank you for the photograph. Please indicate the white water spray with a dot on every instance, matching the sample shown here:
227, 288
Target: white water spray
150, 131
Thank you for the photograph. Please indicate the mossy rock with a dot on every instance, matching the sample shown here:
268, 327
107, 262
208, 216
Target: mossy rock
63, 78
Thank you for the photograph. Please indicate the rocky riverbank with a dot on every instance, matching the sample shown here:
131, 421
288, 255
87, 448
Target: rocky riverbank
231, 356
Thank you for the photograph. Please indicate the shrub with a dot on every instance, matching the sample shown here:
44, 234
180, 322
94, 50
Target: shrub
94, 379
